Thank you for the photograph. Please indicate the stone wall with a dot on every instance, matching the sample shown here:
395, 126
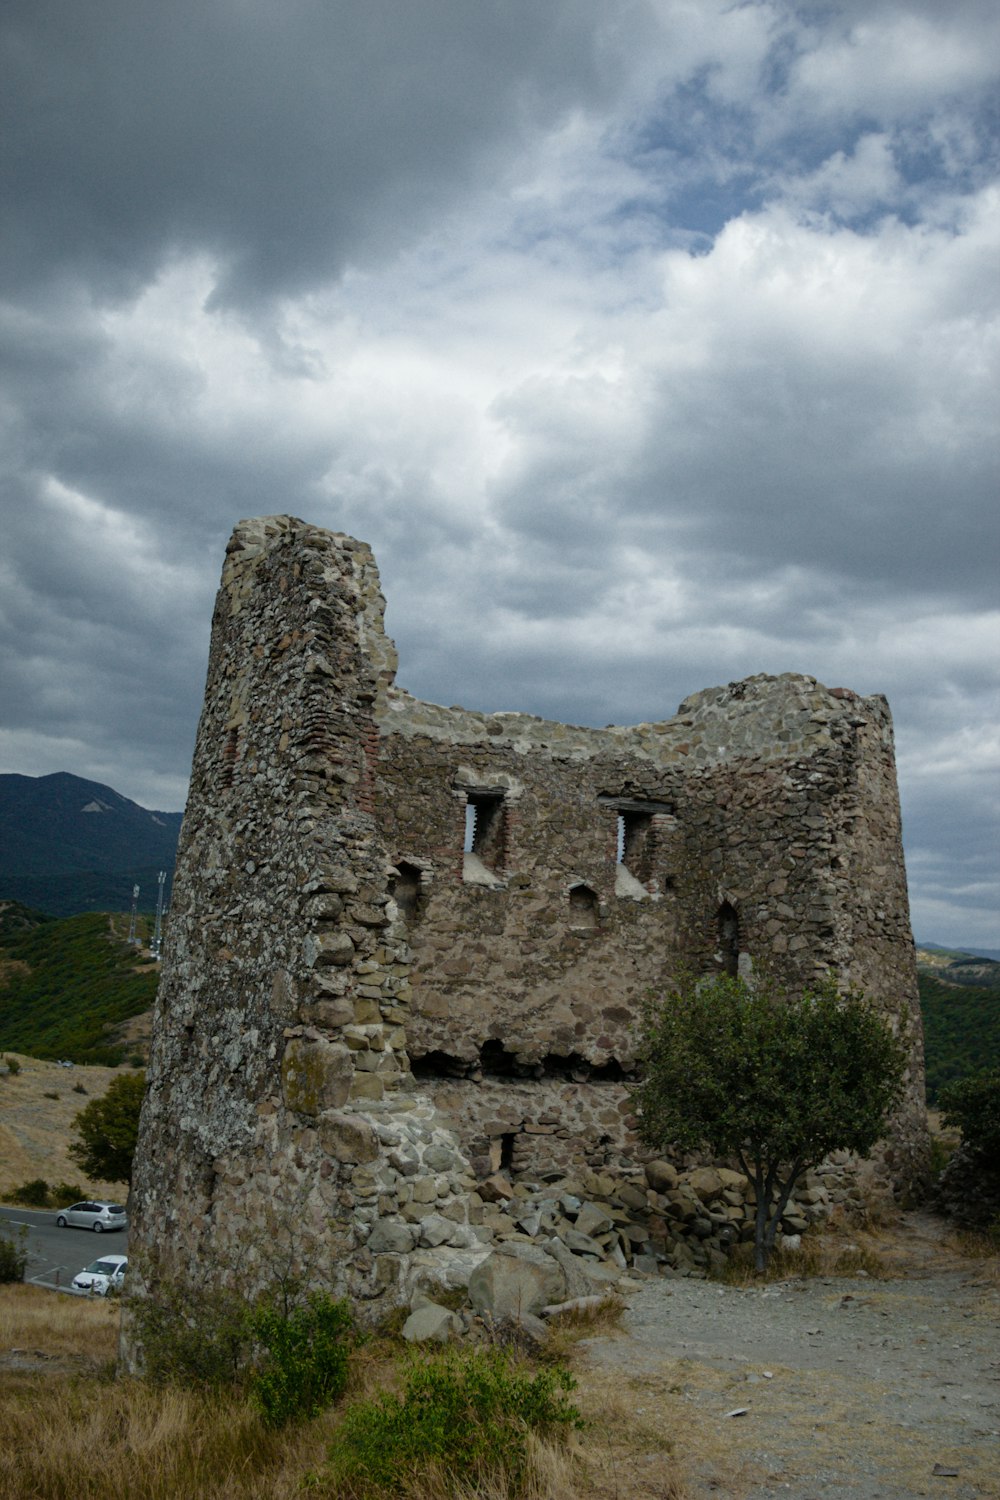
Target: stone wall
760, 830
329, 928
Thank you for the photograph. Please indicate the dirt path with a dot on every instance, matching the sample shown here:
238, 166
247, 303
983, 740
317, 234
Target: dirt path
854, 1388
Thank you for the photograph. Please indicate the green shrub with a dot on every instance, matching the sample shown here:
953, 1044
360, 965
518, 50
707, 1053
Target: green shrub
467, 1412
65, 1193
289, 1356
13, 1066
303, 1364
192, 1336
973, 1105
33, 1194
13, 1254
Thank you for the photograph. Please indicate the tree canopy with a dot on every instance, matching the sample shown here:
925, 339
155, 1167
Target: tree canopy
973, 1104
108, 1128
744, 1070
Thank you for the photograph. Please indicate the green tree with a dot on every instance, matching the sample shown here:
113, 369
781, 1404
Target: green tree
973, 1105
13, 1253
108, 1128
777, 1082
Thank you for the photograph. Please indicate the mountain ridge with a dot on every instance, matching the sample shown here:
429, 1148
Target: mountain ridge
70, 845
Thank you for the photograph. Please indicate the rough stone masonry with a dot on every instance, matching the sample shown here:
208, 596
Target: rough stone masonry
409, 944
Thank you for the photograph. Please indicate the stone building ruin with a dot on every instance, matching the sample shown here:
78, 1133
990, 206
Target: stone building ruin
409, 944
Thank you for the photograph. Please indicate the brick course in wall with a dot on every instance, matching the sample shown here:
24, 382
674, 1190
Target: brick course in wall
358, 1017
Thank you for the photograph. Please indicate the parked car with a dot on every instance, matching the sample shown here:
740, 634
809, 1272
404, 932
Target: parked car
103, 1276
97, 1216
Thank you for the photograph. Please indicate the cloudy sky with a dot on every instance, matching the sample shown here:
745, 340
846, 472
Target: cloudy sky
650, 343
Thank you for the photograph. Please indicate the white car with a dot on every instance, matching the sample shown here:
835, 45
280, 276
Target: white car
104, 1276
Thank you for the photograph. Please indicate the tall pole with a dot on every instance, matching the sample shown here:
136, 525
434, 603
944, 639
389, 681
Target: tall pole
158, 932
135, 905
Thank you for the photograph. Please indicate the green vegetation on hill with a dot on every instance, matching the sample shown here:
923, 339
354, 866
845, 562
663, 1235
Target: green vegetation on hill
65, 987
961, 1030
16, 919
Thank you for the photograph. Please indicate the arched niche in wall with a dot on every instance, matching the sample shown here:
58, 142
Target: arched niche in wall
728, 931
584, 908
404, 887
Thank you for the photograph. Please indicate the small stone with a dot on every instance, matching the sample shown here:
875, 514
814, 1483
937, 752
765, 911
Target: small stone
430, 1323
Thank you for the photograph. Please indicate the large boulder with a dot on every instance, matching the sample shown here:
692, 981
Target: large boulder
661, 1176
516, 1280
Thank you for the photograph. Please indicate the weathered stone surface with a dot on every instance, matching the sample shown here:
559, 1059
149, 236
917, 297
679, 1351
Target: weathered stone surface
430, 1323
705, 1183
581, 1276
661, 1176
495, 1190
391, 1237
592, 1220
316, 1075
347, 1137
516, 1280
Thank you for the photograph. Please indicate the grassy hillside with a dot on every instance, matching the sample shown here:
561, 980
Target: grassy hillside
17, 919
960, 1002
67, 987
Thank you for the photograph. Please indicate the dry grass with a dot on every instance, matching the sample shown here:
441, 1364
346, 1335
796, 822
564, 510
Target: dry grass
819, 1255
984, 1249
37, 1130
603, 1320
67, 1439
61, 1327
71, 1431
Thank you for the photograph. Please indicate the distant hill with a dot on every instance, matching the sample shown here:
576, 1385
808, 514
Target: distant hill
68, 988
68, 845
16, 919
929, 949
960, 1003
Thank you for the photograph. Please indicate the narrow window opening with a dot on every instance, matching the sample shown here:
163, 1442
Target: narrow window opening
404, 887
485, 844
507, 1150
635, 844
583, 908
729, 939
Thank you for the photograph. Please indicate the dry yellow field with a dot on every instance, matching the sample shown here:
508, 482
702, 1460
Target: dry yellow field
36, 1129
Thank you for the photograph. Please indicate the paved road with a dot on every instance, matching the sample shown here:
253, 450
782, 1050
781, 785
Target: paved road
56, 1255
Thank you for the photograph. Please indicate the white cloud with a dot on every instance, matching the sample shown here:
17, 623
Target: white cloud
685, 373
894, 61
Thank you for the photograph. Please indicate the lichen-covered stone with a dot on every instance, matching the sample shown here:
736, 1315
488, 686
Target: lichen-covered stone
315, 1075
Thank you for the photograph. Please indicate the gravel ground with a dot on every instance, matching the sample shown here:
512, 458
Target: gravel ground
854, 1388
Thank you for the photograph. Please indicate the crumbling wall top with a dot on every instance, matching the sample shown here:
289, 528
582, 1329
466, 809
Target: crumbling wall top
769, 717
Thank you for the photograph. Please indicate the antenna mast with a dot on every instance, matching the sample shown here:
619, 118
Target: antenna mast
131, 926
158, 932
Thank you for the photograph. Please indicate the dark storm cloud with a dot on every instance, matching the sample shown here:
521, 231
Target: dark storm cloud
287, 139
650, 345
